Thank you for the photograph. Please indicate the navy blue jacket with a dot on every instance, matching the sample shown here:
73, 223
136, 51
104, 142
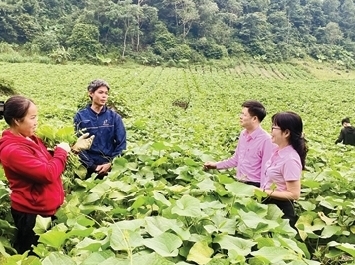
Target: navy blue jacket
109, 131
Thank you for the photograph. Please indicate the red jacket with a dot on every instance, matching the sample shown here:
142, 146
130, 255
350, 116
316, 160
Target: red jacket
33, 173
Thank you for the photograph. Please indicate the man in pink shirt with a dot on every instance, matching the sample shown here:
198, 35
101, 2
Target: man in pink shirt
254, 146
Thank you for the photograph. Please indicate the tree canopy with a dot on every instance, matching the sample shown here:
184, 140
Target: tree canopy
193, 30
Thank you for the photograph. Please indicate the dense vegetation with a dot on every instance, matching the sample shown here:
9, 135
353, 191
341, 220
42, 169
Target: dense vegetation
158, 206
157, 31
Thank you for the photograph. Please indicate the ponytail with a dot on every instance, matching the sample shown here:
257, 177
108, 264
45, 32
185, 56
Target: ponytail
300, 145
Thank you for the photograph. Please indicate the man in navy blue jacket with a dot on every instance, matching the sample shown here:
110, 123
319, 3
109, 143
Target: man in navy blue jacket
107, 126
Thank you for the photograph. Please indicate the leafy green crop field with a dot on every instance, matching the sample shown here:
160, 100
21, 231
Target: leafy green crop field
158, 206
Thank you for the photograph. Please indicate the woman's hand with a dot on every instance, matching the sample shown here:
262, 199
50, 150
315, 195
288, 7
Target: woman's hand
64, 146
84, 142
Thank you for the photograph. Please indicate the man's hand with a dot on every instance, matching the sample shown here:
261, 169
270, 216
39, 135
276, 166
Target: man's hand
103, 169
210, 165
84, 142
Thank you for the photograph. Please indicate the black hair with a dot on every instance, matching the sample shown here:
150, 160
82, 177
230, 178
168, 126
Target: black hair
345, 120
15, 108
95, 84
255, 108
291, 121
2, 103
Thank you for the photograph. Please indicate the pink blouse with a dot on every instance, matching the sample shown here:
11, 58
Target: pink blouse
284, 165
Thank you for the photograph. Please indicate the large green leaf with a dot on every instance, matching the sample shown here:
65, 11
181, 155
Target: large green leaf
42, 224
100, 189
157, 225
81, 220
206, 185
200, 253
58, 259
240, 189
242, 246
143, 258
211, 205
160, 197
330, 230
53, 238
188, 206
346, 247
289, 244
89, 244
20, 259
305, 225
274, 254
129, 224
221, 224
252, 220
86, 209
160, 161
160, 146
82, 231
91, 198
307, 206
123, 239
166, 244
97, 257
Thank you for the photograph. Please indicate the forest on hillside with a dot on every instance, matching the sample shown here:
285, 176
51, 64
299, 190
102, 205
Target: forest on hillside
154, 31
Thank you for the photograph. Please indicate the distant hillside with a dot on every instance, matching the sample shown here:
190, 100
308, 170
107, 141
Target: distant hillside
156, 32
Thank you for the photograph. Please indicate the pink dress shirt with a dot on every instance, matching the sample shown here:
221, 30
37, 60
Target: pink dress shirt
252, 152
284, 165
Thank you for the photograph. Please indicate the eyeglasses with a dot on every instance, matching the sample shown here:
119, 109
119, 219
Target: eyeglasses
275, 128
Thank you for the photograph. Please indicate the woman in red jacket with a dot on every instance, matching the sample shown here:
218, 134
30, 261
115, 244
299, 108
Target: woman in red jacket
33, 173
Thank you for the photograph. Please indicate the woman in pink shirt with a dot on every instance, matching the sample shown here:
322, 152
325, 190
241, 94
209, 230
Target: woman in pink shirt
284, 169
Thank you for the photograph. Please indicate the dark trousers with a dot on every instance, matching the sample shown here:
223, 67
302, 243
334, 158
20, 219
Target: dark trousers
26, 237
89, 172
287, 207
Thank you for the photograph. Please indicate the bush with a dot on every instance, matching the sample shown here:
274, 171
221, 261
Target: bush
235, 49
7, 87
333, 53
84, 40
214, 51
47, 42
170, 63
31, 48
149, 58
196, 57
60, 55
6, 48
180, 52
210, 49
13, 58
164, 42
44, 59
